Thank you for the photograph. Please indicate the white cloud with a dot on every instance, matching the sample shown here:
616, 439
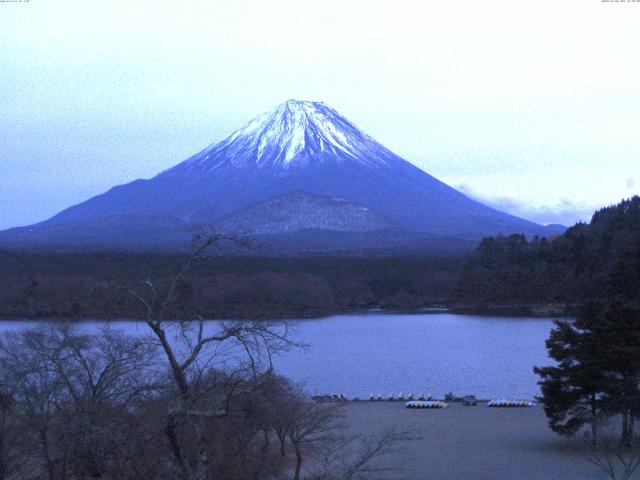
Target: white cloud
566, 212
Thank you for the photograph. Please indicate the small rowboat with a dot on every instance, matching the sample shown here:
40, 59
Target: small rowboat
425, 404
509, 403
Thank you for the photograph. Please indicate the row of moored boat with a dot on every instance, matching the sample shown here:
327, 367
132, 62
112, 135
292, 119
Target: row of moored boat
399, 397
492, 403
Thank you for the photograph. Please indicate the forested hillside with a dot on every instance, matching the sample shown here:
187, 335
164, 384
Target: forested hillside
87, 285
600, 260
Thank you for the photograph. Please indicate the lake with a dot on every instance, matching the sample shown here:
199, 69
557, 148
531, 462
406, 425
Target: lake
397, 353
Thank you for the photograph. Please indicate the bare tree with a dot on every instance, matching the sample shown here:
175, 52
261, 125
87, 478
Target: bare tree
281, 398
191, 349
103, 374
312, 426
37, 393
357, 457
618, 459
318, 435
9, 435
71, 395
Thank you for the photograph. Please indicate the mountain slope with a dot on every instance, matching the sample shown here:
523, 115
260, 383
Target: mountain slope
302, 211
299, 147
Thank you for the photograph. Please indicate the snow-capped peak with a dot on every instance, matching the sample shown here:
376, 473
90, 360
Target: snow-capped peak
295, 134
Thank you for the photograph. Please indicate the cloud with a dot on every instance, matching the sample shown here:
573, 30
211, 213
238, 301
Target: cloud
565, 212
631, 182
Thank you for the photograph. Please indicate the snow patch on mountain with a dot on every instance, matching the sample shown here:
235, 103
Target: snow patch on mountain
295, 134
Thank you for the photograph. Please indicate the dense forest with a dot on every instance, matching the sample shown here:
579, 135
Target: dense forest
90, 285
504, 274
599, 260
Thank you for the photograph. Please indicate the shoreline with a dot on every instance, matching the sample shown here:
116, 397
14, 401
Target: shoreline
538, 311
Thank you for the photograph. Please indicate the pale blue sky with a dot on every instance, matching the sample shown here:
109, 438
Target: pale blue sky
532, 106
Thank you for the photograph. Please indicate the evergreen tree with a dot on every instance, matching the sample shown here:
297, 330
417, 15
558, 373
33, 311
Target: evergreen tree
597, 372
617, 328
573, 390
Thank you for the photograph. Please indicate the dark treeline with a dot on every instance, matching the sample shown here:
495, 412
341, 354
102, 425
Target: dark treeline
511, 274
84, 285
588, 262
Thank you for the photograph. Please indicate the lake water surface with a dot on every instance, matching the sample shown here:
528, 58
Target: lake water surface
396, 353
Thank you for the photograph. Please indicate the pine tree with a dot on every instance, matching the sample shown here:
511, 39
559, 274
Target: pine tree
597, 372
617, 328
572, 391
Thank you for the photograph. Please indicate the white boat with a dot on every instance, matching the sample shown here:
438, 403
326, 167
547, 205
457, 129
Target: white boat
503, 403
426, 404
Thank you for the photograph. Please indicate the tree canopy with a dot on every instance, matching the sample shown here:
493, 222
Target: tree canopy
595, 261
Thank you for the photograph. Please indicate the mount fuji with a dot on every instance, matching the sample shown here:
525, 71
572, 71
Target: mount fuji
301, 177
